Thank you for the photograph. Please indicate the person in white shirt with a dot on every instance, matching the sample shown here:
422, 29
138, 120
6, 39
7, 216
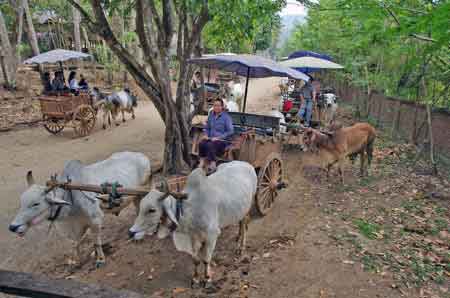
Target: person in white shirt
73, 83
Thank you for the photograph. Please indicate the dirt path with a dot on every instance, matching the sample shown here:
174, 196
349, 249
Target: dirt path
292, 252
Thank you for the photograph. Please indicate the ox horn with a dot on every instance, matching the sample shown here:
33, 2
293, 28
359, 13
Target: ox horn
164, 188
30, 179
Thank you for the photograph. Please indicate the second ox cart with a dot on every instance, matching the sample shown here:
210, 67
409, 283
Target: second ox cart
63, 109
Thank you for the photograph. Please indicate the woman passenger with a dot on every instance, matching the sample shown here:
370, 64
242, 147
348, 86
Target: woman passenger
218, 132
73, 83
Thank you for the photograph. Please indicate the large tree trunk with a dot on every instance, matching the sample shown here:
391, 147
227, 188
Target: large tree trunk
76, 28
154, 27
7, 53
30, 28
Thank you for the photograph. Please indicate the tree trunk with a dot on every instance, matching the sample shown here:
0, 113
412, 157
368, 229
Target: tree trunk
19, 29
30, 29
7, 53
76, 28
155, 31
86, 38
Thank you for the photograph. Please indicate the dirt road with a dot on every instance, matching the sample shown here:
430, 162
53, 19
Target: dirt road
292, 252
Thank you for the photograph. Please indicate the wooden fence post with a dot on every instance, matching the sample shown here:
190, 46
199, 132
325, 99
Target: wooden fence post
396, 120
380, 104
430, 133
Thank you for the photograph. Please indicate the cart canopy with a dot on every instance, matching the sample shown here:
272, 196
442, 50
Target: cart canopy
250, 66
56, 56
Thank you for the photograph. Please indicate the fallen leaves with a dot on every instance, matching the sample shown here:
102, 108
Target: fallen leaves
406, 235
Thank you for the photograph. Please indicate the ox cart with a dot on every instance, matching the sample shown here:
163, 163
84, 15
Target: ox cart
257, 140
63, 109
76, 111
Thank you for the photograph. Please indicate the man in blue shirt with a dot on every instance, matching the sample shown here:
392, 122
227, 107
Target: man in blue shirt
218, 131
308, 100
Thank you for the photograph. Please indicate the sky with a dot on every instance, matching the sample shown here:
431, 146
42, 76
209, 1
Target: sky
293, 8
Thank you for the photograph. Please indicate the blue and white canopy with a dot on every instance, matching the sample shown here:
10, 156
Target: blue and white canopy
250, 66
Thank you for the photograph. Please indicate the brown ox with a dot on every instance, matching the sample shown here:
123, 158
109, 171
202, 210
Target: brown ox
335, 145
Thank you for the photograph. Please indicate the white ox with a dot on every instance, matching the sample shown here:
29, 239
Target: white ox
78, 211
212, 203
122, 101
330, 107
275, 113
236, 91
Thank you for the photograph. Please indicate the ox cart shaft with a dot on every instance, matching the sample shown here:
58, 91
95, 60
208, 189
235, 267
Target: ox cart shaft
30, 285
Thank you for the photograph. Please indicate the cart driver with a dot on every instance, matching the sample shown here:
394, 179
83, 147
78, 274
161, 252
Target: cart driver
218, 131
308, 100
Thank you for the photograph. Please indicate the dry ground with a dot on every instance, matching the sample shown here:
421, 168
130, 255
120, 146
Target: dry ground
382, 236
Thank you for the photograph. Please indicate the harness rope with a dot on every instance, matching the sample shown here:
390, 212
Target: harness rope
114, 198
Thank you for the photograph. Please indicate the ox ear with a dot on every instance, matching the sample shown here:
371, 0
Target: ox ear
52, 200
57, 201
30, 179
169, 212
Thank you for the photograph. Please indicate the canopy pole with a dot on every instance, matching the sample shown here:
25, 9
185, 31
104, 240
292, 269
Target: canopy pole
246, 90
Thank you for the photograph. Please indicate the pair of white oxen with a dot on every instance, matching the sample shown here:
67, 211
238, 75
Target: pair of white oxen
194, 222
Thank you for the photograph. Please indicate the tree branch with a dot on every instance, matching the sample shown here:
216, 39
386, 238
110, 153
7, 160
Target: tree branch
424, 38
141, 76
197, 28
157, 20
391, 13
167, 22
417, 36
91, 24
151, 54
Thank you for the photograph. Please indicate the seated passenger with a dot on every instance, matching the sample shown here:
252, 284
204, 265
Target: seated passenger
83, 83
73, 83
218, 131
47, 84
58, 83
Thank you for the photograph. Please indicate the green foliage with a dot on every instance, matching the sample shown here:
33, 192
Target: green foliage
242, 25
384, 45
366, 228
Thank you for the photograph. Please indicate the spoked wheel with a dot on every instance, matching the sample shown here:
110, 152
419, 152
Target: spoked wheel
269, 181
84, 120
53, 126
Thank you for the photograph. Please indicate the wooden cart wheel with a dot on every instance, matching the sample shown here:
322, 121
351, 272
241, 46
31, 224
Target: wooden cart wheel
269, 177
53, 125
84, 120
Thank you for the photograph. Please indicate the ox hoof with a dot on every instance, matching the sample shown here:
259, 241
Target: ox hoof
100, 264
117, 124
104, 126
195, 283
134, 117
210, 287
123, 120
